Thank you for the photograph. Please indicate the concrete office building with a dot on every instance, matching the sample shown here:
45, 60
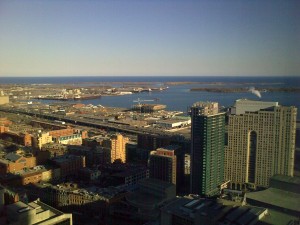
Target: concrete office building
162, 164
40, 139
35, 212
260, 144
117, 144
207, 148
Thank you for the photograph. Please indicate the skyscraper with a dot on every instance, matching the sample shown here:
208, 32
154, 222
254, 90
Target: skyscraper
207, 148
261, 143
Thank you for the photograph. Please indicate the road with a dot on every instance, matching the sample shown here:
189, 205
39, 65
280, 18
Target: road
98, 124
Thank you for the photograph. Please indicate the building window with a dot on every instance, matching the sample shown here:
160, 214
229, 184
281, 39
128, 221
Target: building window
252, 156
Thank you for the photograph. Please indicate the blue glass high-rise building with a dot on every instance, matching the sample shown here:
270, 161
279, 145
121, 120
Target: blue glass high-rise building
207, 148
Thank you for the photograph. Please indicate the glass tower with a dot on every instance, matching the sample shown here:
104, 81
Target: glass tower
207, 148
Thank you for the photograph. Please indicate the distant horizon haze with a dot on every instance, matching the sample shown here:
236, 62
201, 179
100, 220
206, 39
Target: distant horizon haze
144, 75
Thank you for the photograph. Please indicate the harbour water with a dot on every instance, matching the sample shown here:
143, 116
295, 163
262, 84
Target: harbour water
179, 97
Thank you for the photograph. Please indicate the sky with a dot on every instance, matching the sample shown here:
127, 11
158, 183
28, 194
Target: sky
154, 38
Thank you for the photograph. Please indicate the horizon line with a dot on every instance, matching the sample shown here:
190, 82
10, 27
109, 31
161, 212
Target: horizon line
177, 75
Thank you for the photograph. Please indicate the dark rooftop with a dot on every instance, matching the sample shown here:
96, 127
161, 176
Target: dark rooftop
277, 197
287, 179
12, 157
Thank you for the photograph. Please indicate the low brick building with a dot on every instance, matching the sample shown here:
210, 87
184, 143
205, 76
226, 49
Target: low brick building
14, 162
18, 138
91, 201
68, 136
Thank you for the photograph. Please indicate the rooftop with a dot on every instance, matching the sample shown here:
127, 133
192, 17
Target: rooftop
154, 183
170, 147
31, 171
276, 218
192, 208
254, 101
140, 198
287, 179
91, 192
277, 197
65, 158
12, 157
15, 213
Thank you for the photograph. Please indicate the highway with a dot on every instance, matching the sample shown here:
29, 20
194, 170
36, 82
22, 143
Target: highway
99, 124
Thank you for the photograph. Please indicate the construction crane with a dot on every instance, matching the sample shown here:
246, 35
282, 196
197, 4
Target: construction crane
141, 100
139, 103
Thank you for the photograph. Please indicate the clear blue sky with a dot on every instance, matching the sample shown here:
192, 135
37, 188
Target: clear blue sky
149, 37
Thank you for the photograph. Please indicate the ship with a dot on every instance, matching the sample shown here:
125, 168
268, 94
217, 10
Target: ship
159, 89
68, 98
59, 98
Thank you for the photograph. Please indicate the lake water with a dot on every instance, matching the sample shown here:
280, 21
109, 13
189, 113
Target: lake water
179, 97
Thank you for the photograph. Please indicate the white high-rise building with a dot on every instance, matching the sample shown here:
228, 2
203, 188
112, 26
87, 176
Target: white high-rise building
260, 144
242, 106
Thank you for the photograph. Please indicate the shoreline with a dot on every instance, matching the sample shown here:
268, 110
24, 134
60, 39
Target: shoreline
241, 90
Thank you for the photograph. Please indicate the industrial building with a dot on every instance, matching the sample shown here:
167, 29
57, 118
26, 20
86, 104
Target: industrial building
173, 123
148, 108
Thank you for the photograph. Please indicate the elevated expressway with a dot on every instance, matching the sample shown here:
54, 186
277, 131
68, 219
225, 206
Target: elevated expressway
98, 124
